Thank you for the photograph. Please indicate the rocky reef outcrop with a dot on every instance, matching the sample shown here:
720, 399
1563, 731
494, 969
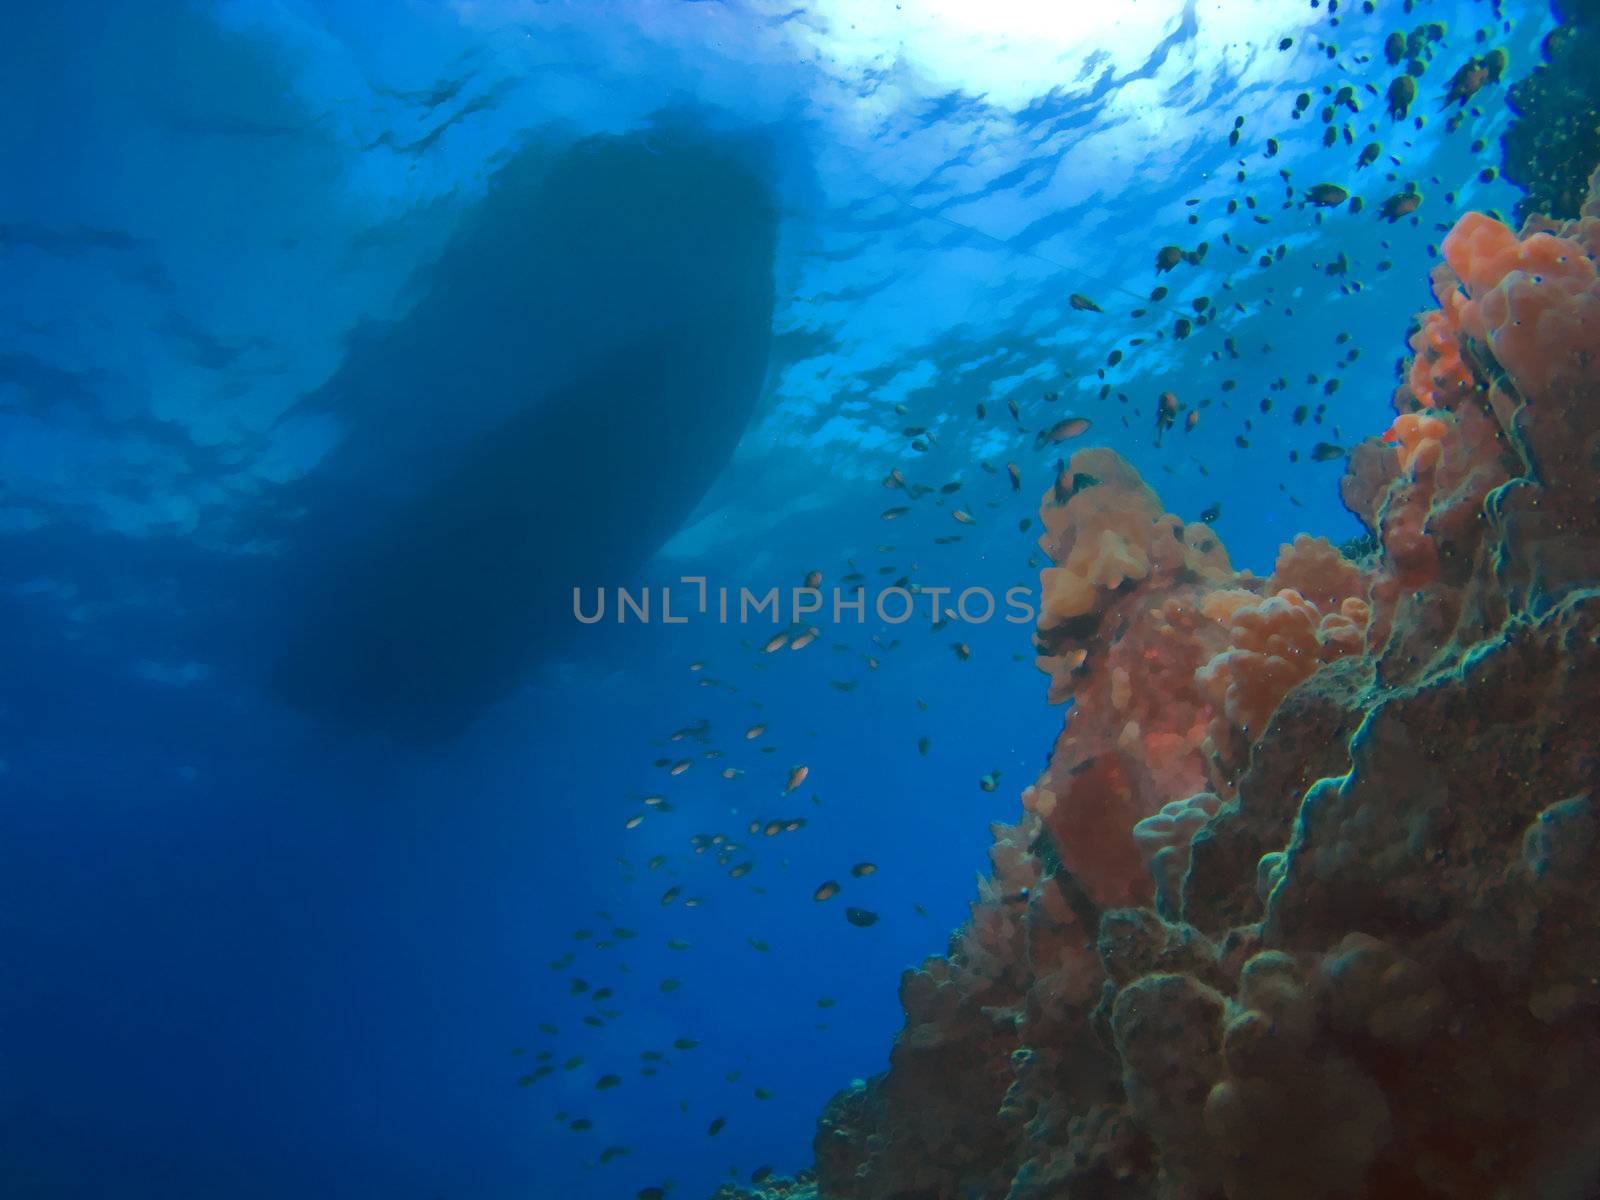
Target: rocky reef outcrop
1554, 142
1307, 902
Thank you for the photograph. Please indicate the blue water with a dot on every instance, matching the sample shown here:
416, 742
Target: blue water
250, 954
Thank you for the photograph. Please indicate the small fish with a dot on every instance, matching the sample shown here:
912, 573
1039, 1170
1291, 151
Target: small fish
1166, 413
1465, 83
761, 1175
862, 869
1191, 420
963, 516
1082, 303
860, 917
827, 890
1015, 476
607, 1082
962, 650
990, 781
890, 514
634, 821
1327, 195
679, 767
1168, 257
1326, 452
775, 642
651, 1193
1401, 204
741, 870
671, 894
1402, 93
581, 1124
797, 776
717, 1125
612, 1152
1210, 514
813, 579
685, 1044
922, 746
1061, 431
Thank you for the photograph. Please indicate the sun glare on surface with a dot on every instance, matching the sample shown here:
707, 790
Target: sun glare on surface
1013, 51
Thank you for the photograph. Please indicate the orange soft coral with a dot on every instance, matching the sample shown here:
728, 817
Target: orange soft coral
1134, 736
1314, 567
1420, 440
1274, 644
1109, 530
1535, 302
1105, 530
1438, 376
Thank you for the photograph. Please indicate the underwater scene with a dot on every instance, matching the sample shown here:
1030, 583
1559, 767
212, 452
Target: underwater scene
800, 600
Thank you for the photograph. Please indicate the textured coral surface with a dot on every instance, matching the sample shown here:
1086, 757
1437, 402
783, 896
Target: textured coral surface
1555, 141
1307, 902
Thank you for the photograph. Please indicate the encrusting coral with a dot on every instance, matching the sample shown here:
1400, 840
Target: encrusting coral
1306, 903
1554, 142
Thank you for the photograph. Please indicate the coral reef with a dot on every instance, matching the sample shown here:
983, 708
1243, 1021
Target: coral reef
1554, 142
1306, 901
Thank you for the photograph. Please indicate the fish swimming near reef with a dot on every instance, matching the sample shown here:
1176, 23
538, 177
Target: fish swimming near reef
582, 360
